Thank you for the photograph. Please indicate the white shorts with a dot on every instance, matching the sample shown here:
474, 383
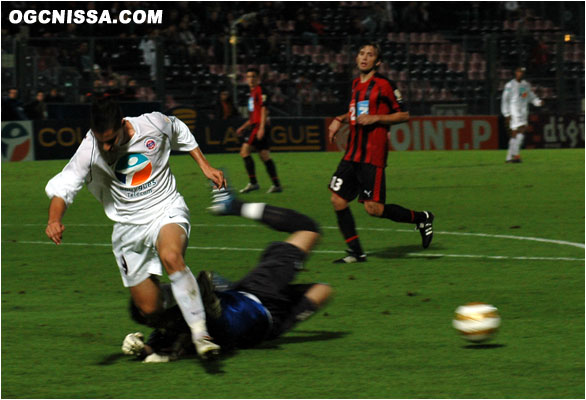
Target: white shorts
134, 246
517, 121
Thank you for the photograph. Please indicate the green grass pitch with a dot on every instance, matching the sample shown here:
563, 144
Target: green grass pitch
509, 235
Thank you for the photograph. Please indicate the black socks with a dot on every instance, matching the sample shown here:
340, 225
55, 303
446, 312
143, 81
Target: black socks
249, 165
272, 171
348, 229
397, 213
286, 220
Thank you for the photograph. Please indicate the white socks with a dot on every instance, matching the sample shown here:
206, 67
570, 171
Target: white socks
514, 146
519, 138
253, 210
510, 151
188, 297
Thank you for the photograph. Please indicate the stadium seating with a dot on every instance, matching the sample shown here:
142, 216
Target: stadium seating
457, 62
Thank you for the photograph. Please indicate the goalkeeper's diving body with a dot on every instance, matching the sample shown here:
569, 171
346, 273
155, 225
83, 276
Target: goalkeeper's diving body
261, 306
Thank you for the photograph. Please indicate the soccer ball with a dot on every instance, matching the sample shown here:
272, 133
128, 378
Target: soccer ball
477, 322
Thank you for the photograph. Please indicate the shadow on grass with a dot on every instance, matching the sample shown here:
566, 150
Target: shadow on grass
215, 366
306, 336
212, 366
483, 346
403, 251
111, 359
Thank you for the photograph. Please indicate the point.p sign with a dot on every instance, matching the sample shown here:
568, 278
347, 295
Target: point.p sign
446, 133
17, 141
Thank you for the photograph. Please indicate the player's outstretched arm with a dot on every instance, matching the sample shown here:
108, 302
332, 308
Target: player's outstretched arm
536, 101
213, 174
55, 228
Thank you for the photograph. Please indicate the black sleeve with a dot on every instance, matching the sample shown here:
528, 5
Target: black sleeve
265, 97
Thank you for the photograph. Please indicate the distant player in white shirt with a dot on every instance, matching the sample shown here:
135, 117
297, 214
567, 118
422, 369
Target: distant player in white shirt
515, 107
125, 164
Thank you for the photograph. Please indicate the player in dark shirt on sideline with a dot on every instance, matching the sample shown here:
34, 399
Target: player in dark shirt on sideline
261, 306
256, 135
375, 104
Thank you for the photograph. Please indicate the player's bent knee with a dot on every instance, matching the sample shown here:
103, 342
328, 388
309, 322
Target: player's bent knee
245, 150
303, 240
143, 308
147, 314
374, 209
304, 223
145, 296
136, 314
172, 261
338, 202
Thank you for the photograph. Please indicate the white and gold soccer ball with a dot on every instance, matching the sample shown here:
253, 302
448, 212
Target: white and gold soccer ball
477, 322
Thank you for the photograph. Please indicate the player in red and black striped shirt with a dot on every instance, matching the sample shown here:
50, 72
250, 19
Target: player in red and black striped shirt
256, 135
375, 104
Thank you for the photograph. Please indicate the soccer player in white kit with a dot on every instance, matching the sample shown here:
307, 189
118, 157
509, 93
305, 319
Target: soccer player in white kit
515, 107
125, 165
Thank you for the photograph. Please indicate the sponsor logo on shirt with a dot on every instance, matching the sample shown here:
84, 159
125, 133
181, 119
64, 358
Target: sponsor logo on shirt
362, 107
522, 92
133, 169
251, 104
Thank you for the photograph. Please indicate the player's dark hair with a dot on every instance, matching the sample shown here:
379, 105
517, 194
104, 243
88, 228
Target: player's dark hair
253, 69
106, 114
376, 46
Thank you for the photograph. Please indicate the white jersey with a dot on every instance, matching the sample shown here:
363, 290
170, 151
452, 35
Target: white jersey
136, 185
516, 99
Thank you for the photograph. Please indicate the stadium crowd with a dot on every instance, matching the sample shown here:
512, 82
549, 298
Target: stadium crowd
303, 50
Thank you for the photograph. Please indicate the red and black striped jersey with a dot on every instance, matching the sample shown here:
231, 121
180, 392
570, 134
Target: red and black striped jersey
369, 143
257, 100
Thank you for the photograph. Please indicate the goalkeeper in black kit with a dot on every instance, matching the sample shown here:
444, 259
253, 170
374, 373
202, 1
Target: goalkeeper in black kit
261, 306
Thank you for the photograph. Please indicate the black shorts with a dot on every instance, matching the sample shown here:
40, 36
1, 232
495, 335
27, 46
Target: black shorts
353, 179
271, 281
250, 137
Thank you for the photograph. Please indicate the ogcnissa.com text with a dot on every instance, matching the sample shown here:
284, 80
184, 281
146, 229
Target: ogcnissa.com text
85, 17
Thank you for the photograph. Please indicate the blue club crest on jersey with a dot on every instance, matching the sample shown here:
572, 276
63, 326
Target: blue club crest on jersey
133, 169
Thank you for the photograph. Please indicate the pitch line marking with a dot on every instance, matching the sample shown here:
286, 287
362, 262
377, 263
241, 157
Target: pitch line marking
432, 255
420, 255
487, 235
